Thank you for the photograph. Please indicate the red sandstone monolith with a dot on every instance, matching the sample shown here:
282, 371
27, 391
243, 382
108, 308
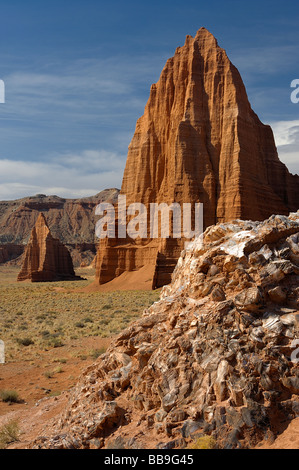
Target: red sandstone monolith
45, 258
198, 141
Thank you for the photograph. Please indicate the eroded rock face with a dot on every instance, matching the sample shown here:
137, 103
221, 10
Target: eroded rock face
215, 355
45, 258
10, 251
72, 221
198, 141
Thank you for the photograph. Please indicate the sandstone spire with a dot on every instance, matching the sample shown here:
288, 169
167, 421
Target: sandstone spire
198, 141
46, 258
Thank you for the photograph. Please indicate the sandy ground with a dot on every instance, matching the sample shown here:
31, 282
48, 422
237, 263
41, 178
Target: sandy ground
42, 397
135, 280
288, 439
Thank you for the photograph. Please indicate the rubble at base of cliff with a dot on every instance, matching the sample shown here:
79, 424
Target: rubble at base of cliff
215, 356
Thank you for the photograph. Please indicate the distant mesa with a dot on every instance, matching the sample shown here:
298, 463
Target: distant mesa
46, 258
72, 221
198, 141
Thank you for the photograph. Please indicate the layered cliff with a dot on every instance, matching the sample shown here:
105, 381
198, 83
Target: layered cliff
72, 221
46, 258
198, 141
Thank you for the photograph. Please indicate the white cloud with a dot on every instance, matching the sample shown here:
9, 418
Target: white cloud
67, 175
286, 135
54, 105
88, 87
286, 132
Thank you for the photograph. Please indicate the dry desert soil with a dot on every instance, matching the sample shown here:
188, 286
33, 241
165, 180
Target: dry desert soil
52, 332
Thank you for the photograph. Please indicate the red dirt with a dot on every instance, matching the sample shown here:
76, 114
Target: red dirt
37, 407
133, 280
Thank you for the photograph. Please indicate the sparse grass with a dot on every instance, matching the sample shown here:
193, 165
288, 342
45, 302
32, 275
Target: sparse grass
83, 357
54, 314
9, 433
9, 396
62, 360
55, 393
106, 307
88, 320
204, 442
55, 343
25, 341
97, 352
48, 374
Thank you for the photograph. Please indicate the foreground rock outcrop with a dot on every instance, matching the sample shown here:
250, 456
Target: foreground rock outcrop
198, 141
72, 221
46, 258
216, 355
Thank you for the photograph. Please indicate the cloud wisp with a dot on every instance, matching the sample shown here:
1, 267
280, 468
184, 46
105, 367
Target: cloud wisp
67, 175
287, 140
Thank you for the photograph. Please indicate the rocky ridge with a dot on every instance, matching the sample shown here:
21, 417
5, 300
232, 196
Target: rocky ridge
215, 355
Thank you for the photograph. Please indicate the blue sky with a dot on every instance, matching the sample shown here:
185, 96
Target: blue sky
78, 74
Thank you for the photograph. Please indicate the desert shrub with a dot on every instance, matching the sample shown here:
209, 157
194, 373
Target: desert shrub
98, 352
204, 442
9, 396
55, 393
79, 324
48, 374
25, 341
106, 307
45, 333
82, 357
9, 433
62, 360
88, 320
55, 343
41, 317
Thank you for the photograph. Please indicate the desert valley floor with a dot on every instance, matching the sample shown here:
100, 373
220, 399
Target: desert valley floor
67, 333
51, 336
